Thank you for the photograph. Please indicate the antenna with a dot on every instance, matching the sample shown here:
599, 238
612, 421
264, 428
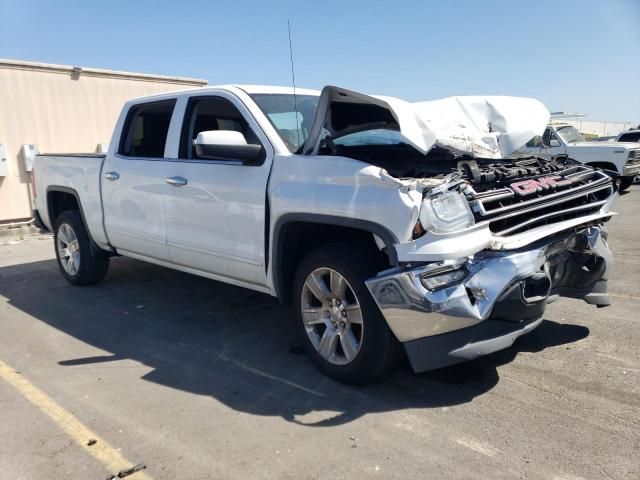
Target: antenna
293, 81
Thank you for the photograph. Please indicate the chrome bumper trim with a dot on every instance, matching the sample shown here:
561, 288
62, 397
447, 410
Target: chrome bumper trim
414, 312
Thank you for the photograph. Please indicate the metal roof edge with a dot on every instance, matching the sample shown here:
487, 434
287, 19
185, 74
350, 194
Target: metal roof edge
98, 72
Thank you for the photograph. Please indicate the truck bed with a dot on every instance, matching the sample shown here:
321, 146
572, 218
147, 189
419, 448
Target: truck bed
77, 174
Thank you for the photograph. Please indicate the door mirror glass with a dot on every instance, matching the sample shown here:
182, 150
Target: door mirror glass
226, 145
554, 142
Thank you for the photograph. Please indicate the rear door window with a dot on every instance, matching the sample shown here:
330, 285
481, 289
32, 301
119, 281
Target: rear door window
145, 130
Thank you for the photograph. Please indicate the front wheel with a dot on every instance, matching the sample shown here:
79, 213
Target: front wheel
79, 262
341, 327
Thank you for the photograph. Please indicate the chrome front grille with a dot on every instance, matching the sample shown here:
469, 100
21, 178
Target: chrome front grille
634, 156
570, 193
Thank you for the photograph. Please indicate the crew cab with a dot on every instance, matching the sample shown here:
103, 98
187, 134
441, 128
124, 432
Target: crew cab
385, 224
619, 158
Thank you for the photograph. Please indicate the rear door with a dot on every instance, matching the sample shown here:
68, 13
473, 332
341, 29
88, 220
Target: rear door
216, 217
134, 182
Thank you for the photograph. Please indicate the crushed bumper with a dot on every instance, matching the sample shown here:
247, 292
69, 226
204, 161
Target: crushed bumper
502, 295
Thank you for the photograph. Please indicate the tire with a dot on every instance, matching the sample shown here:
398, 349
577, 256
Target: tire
80, 263
329, 344
625, 183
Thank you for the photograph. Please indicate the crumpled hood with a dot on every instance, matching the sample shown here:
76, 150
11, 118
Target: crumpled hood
491, 127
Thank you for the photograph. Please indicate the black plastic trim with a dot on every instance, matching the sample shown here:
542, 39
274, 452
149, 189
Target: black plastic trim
277, 249
438, 351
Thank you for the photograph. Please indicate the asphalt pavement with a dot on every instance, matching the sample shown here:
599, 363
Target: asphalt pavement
195, 379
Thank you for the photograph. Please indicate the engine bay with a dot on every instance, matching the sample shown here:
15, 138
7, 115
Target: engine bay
404, 162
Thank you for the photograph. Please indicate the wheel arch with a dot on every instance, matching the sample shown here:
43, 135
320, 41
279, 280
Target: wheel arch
299, 233
60, 199
605, 166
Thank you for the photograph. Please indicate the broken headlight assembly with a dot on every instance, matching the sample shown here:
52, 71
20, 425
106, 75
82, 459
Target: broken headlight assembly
445, 213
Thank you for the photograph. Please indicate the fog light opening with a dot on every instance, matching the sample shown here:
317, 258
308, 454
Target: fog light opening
440, 279
536, 288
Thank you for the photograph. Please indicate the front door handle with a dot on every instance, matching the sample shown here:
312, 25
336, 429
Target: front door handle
111, 175
176, 181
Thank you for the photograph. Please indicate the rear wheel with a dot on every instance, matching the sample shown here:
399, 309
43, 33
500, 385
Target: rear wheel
341, 327
79, 262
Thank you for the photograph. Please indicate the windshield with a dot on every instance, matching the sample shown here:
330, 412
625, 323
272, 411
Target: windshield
570, 134
376, 136
630, 137
292, 126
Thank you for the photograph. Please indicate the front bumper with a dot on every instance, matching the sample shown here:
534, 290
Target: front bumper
631, 170
503, 295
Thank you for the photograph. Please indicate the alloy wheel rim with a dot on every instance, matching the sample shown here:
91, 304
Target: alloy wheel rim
332, 316
68, 249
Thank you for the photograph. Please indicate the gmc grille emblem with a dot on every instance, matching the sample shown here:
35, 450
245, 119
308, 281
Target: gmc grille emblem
531, 186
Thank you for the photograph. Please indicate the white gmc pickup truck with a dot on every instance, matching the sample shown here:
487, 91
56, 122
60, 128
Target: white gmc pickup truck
384, 223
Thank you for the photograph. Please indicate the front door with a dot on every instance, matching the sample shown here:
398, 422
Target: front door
551, 144
548, 143
134, 183
216, 216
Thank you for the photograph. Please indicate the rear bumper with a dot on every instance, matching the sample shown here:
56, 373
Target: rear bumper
502, 295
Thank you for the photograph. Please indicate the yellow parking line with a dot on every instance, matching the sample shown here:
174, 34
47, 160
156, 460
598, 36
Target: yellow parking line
101, 451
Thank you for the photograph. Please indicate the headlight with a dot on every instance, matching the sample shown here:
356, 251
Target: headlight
445, 213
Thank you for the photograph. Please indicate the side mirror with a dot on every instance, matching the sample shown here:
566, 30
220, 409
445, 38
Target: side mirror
554, 142
226, 145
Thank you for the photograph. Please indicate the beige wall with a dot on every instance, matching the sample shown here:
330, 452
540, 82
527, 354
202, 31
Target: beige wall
61, 111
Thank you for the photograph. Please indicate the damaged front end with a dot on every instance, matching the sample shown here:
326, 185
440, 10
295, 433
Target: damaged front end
527, 231
491, 239
448, 312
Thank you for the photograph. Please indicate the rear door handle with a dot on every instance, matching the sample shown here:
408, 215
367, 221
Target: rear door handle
176, 181
111, 175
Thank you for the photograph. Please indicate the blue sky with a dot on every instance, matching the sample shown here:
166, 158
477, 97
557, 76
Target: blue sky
573, 55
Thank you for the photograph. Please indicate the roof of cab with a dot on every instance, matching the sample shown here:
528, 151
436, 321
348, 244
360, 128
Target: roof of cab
253, 89
249, 89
